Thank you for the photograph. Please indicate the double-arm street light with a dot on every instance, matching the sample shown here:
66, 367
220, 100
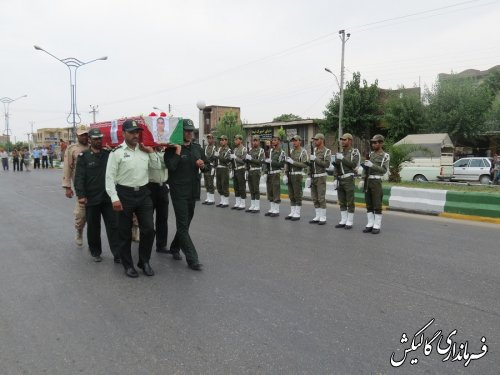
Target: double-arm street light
6, 103
73, 64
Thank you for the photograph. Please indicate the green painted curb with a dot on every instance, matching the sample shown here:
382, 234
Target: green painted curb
477, 204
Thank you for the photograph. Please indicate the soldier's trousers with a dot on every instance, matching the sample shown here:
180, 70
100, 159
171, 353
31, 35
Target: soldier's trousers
222, 175
373, 196
295, 189
79, 213
273, 187
253, 184
318, 191
159, 196
140, 203
93, 215
239, 183
184, 212
345, 192
209, 182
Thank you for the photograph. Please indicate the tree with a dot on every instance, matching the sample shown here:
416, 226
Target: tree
458, 106
287, 117
229, 125
399, 155
361, 109
403, 116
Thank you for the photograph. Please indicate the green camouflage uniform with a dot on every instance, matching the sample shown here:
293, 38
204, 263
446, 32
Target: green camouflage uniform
295, 175
222, 173
277, 157
209, 175
239, 172
373, 191
345, 170
254, 172
318, 183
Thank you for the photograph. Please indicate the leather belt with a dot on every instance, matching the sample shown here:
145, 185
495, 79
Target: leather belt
374, 177
159, 183
319, 175
274, 172
131, 188
345, 175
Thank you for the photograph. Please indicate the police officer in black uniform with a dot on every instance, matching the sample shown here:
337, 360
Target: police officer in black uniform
90, 177
184, 164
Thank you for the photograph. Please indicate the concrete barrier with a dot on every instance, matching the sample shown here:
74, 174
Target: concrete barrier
474, 204
429, 201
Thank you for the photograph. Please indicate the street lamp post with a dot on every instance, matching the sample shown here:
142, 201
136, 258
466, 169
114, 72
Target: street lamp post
201, 123
73, 64
6, 104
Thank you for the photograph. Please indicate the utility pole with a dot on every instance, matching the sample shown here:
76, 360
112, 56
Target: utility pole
341, 104
29, 143
95, 109
169, 109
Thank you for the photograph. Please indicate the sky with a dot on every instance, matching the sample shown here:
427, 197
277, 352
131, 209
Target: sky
266, 57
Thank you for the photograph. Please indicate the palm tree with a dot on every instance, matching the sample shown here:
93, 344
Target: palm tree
401, 154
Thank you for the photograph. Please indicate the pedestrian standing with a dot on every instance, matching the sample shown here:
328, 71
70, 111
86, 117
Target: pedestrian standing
90, 189
4, 155
208, 176
184, 164
320, 161
71, 156
376, 167
222, 172
15, 159
45, 158
51, 153
238, 157
127, 180
63, 145
346, 166
275, 163
37, 153
158, 175
296, 163
254, 158
26, 159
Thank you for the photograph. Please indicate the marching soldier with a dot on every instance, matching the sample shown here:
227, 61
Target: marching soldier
90, 180
255, 157
238, 157
296, 163
346, 164
70, 158
127, 180
320, 161
208, 175
375, 168
222, 171
275, 163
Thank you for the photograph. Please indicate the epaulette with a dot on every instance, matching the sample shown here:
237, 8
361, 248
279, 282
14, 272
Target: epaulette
113, 150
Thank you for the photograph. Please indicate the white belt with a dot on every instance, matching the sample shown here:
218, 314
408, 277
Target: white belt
374, 177
319, 175
243, 167
346, 175
255, 169
221, 166
274, 172
294, 173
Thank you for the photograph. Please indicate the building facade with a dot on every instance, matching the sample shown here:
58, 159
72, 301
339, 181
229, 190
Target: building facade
213, 113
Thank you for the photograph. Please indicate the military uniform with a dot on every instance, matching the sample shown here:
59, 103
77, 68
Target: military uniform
208, 176
239, 184
90, 183
255, 157
296, 163
322, 160
69, 166
159, 195
276, 162
222, 173
376, 168
346, 165
185, 184
127, 180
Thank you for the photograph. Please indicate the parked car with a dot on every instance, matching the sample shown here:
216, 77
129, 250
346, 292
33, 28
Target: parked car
472, 169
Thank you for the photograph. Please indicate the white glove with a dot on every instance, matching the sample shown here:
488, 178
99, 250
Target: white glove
313, 157
361, 184
335, 184
289, 160
285, 179
248, 157
212, 172
232, 156
268, 160
231, 174
339, 156
216, 154
368, 163
331, 168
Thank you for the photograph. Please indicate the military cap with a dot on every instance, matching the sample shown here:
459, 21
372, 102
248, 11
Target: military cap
223, 137
187, 124
210, 135
277, 137
82, 129
296, 138
95, 133
319, 136
255, 137
238, 136
346, 136
377, 137
130, 126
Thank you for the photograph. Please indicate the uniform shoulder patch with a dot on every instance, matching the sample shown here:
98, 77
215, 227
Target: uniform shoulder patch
116, 148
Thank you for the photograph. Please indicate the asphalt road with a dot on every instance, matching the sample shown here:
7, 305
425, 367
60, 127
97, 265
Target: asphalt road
275, 297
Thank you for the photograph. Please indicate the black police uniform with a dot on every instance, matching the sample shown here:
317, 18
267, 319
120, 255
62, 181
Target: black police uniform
90, 177
185, 189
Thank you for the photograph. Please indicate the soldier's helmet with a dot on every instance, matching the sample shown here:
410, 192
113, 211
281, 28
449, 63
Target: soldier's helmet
188, 124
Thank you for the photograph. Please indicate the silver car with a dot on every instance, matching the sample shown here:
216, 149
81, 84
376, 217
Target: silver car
472, 169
